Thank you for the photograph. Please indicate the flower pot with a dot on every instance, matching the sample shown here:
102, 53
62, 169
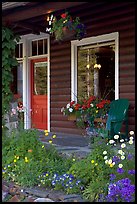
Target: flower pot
68, 34
72, 117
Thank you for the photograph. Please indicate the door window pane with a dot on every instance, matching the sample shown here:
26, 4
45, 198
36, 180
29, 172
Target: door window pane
40, 78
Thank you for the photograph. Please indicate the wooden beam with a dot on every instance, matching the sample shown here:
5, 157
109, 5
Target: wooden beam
34, 28
42, 9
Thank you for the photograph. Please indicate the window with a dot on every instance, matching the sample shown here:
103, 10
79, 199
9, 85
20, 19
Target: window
39, 47
17, 84
95, 67
19, 50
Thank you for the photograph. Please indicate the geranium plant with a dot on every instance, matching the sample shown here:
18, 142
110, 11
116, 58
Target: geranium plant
66, 24
87, 110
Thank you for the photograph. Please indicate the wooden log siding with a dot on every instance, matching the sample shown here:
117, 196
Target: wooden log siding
99, 18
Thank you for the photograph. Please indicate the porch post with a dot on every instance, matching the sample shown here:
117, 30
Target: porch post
25, 86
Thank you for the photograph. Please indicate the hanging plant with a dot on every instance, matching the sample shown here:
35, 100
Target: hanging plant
67, 27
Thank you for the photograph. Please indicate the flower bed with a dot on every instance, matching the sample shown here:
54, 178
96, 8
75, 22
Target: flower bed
107, 173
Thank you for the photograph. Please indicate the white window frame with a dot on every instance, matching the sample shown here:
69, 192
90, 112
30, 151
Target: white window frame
88, 41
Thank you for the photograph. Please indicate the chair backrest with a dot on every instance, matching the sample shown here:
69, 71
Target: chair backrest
118, 112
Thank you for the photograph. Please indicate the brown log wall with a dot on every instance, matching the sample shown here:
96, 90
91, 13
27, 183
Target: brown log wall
99, 18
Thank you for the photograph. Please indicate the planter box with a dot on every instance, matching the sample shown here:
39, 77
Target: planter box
72, 117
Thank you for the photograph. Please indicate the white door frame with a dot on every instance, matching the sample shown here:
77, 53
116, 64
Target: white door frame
26, 40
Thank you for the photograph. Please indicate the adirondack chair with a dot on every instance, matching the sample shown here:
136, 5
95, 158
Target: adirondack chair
117, 116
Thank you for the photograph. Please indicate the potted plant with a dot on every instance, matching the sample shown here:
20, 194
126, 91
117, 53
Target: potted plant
66, 27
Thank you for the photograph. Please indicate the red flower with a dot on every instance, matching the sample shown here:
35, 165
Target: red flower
84, 107
71, 103
64, 15
20, 104
77, 106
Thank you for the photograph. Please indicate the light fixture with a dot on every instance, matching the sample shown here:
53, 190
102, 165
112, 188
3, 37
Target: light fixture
97, 66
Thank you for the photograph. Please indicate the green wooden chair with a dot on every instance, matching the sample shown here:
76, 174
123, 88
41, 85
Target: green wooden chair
117, 116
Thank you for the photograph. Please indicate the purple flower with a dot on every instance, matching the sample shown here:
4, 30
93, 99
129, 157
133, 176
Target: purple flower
112, 177
130, 156
120, 170
131, 171
122, 190
115, 159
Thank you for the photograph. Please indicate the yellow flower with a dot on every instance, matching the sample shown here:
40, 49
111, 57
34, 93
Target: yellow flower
4, 167
92, 161
15, 160
96, 164
96, 111
50, 141
46, 174
17, 157
46, 134
73, 159
54, 136
111, 165
45, 131
26, 160
42, 146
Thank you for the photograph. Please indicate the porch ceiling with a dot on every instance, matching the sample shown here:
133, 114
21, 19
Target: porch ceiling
30, 17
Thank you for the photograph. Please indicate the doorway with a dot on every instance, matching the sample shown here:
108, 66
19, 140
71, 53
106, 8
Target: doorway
39, 95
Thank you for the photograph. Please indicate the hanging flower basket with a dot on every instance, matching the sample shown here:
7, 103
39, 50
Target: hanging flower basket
65, 28
68, 34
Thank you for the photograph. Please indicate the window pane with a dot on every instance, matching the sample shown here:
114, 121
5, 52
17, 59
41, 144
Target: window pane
34, 48
40, 47
96, 72
21, 50
20, 80
45, 46
40, 78
17, 51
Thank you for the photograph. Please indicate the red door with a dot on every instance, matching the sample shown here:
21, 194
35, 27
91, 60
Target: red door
39, 98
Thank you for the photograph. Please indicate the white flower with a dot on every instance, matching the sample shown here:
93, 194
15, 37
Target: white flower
131, 138
130, 142
120, 151
122, 140
105, 152
116, 137
131, 132
62, 109
105, 157
120, 165
113, 163
106, 161
111, 141
21, 190
70, 110
122, 157
92, 105
123, 145
109, 161
68, 106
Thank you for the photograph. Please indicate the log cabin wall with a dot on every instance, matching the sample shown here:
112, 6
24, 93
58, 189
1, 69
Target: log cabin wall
99, 18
